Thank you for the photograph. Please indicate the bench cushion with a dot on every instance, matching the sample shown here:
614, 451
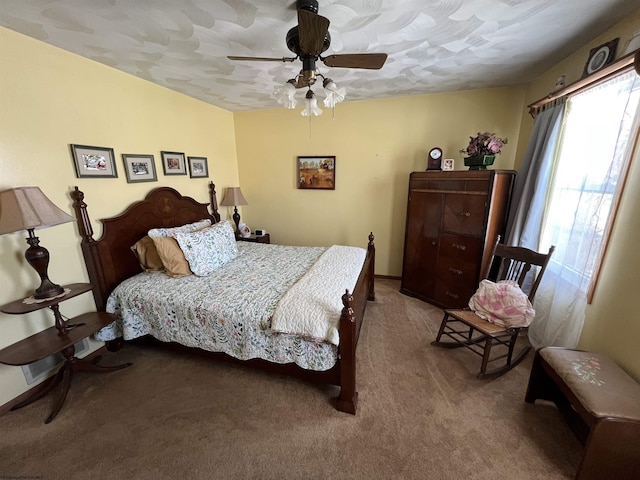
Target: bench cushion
600, 385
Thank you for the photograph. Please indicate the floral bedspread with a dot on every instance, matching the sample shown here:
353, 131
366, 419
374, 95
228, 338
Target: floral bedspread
228, 311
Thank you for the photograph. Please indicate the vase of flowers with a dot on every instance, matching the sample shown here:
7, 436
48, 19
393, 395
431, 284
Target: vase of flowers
482, 150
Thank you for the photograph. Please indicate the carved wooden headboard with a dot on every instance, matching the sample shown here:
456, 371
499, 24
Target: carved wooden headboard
109, 260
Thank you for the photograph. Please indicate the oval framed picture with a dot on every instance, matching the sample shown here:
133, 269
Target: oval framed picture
600, 56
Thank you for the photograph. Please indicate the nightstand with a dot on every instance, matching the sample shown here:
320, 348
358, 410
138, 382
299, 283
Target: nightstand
59, 338
257, 239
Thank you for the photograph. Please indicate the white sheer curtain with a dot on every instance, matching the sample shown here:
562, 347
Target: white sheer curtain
590, 162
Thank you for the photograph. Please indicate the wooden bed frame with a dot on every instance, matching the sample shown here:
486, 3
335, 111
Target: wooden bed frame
109, 261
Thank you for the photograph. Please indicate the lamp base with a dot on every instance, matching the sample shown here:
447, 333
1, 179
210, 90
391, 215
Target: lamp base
38, 258
47, 289
236, 219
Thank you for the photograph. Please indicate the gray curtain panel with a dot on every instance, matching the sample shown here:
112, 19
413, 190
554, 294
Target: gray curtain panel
524, 223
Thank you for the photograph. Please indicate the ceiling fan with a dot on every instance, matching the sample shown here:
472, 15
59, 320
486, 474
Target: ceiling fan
309, 39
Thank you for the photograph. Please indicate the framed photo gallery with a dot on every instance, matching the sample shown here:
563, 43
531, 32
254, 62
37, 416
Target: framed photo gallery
99, 162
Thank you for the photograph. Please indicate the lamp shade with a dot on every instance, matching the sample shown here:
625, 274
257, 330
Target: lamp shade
311, 105
284, 95
25, 208
233, 197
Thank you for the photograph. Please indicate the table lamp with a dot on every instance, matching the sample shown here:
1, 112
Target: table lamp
27, 208
232, 198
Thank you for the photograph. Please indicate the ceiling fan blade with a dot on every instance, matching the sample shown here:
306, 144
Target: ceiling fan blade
262, 59
372, 61
312, 29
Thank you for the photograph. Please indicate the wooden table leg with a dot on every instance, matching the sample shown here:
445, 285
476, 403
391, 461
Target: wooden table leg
47, 386
67, 374
64, 375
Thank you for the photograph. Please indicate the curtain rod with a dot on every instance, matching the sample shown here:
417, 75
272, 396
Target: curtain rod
621, 65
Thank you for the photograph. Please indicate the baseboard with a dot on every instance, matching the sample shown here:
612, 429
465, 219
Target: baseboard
23, 396
387, 277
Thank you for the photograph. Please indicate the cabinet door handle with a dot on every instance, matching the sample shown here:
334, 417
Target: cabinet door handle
453, 270
459, 247
465, 214
452, 295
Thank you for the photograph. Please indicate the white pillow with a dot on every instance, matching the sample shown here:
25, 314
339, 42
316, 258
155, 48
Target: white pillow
172, 232
209, 248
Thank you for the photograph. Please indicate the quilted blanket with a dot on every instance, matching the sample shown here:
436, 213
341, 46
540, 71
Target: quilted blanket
231, 310
311, 308
228, 311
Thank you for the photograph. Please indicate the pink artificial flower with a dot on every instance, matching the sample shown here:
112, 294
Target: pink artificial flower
484, 144
495, 144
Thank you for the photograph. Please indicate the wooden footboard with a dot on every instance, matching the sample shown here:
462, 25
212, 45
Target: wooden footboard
350, 324
109, 261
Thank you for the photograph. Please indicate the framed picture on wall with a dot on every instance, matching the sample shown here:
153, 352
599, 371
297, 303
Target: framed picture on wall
198, 167
173, 163
600, 57
316, 173
93, 161
139, 168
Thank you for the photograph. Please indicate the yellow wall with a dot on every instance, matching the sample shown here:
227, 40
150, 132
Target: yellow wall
376, 144
611, 324
49, 99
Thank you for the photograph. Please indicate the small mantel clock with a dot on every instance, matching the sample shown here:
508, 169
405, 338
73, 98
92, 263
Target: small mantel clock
434, 162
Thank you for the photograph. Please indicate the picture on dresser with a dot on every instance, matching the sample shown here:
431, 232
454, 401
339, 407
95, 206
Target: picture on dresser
316, 173
93, 161
448, 164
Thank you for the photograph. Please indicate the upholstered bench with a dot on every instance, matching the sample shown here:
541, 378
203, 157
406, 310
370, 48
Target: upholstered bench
601, 403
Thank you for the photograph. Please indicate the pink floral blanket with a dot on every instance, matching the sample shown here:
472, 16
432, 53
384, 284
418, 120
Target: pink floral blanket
502, 303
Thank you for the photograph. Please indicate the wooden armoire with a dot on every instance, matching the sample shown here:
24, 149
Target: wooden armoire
453, 219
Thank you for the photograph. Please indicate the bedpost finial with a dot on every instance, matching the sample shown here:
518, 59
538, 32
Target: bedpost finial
82, 217
77, 194
347, 301
213, 201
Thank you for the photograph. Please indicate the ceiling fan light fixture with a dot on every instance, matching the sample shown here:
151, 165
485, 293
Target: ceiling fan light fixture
309, 77
308, 40
334, 95
284, 94
311, 105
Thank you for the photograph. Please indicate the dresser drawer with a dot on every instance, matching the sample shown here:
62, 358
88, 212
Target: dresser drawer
464, 214
452, 295
458, 273
460, 249
458, 181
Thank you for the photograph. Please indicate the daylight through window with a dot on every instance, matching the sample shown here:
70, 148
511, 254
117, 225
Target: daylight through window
597, 138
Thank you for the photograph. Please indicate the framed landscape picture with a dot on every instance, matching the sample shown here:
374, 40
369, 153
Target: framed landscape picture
198, 167
93, 161
139, 168
173, 163
316, 173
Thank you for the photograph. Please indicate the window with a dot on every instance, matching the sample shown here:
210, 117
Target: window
597, 137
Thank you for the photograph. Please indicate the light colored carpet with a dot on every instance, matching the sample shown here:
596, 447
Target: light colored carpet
422, 415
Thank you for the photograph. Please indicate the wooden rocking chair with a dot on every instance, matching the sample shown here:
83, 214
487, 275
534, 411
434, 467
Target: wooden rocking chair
466, 329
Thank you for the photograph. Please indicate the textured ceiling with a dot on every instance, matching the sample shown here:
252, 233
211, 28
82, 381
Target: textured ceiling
433, 46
